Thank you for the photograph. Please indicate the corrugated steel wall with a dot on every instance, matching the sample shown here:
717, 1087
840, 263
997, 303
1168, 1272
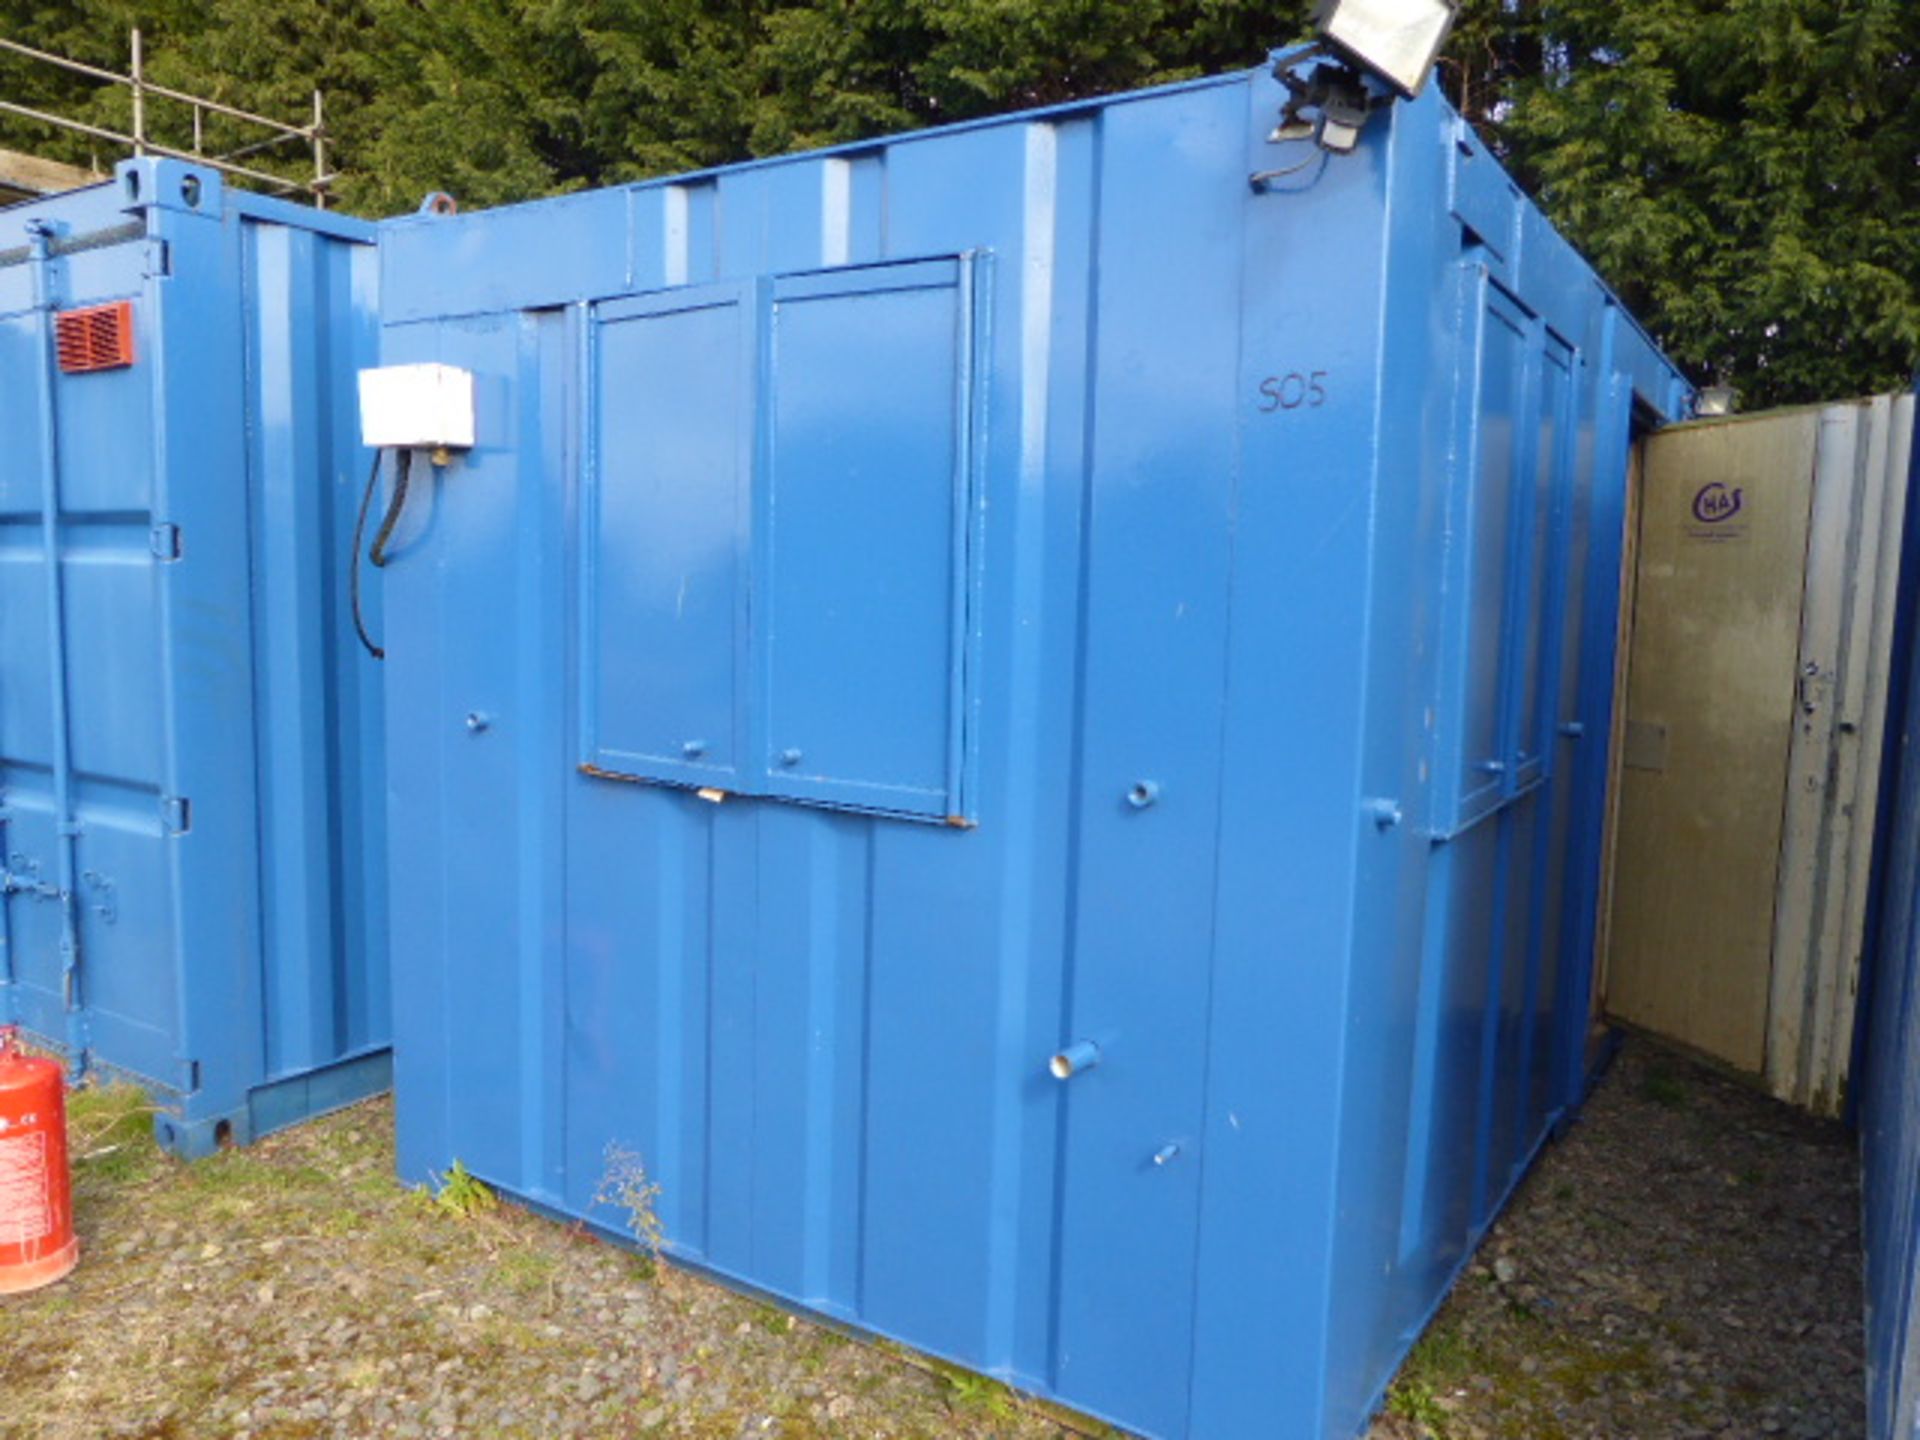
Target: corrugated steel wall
1105, 601
1889, 1076
191, 742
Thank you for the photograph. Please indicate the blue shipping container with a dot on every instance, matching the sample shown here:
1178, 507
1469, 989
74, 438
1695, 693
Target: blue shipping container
1019, 599
190, 757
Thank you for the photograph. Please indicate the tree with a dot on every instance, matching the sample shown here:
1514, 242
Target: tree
1745, 172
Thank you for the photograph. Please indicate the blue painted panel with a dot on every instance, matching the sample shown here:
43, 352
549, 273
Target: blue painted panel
1508, 1015
1482, 196
640, 959
107, 417
127, 920
1605, 428
112, 618
589, 246
1889, 1110
1460, 973
670, 496
1557, 1001
1212, 664
26, 719
33, 913
1158, 569
1483, 610
189, 749
481, 776
869, 436
1536, 608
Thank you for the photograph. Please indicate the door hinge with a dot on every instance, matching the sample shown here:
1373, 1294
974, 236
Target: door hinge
164, 541
176, 815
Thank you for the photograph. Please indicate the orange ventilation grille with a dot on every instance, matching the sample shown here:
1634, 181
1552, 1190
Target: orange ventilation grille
99, 337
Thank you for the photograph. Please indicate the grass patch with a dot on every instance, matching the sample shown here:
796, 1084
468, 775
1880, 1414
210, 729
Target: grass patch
1664, 1088
1590, 1371
236, 1174
1441, 1362
526, 1272
1443, 1356
110, 1128
772, 1319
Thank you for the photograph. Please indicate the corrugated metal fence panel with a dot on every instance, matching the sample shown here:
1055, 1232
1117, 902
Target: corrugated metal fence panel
1820, 920
1142, 482
194, 838
1890, 1082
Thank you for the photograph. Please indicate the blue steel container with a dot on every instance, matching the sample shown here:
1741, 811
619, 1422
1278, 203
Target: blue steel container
1015, 600
190, 756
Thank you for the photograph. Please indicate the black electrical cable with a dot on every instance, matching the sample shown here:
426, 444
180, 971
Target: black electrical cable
402, 472
1260, 179
353, 561
402, 475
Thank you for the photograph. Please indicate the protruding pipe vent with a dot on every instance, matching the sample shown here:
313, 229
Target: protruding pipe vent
1081, 1055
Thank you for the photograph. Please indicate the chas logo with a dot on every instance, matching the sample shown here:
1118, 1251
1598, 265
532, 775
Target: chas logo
1714, 503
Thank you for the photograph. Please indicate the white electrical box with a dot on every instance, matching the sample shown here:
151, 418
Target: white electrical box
416, 407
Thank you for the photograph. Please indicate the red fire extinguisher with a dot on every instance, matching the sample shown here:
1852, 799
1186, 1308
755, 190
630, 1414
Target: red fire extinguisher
37, 1245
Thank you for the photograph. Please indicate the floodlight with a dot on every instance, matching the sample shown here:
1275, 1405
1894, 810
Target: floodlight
1397, 41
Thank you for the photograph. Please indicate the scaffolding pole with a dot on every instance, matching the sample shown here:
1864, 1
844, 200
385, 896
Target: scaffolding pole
141, 141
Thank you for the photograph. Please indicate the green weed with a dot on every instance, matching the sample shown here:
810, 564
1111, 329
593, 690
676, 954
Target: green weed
1414, 1400
463, 1195
967, 1391
625, 1186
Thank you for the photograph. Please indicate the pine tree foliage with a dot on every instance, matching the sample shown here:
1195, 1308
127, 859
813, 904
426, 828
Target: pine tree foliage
1745, 172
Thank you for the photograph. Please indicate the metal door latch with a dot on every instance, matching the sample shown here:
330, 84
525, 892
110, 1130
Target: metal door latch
1810, 676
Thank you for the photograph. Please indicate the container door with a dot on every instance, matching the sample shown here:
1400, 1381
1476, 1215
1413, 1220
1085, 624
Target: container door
1755, 702
32, 930
1709, 714
88, 912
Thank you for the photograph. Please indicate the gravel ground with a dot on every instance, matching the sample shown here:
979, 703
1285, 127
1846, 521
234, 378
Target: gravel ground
1684, 1264
294, 1289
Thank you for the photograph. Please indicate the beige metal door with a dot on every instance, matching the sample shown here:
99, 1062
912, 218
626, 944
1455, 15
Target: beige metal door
1748, 764
1710, 702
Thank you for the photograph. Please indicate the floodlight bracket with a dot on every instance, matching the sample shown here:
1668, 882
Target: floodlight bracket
1330, 104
